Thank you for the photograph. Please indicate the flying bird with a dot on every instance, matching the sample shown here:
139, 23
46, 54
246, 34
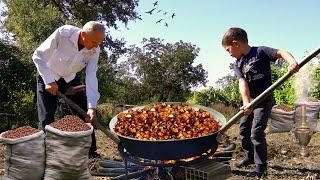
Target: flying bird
165, 13
159, 21
166, 24
173, 15
159, 11
155, 3
150, 12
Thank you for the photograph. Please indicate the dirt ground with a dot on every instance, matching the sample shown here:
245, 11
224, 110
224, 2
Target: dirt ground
284, 159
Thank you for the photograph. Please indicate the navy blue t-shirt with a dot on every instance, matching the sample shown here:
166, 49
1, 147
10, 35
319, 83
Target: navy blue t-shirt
255, 68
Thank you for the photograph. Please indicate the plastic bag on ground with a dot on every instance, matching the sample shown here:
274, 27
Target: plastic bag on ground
281, 119
67, 154
25, 159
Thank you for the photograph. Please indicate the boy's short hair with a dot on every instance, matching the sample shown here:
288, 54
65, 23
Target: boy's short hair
232, 34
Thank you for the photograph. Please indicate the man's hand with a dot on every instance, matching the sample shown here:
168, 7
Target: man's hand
293, 67
92, 113
52, 88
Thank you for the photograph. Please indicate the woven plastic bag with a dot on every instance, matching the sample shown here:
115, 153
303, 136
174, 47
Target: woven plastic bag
25, 158
281, 120
67, 154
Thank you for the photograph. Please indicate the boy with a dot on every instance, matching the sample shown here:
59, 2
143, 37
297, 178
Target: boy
253, 71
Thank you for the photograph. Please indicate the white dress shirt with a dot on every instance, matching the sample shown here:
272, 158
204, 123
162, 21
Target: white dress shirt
59, 57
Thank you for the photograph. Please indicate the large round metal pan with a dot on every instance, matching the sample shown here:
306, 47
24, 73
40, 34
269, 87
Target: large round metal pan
171, 149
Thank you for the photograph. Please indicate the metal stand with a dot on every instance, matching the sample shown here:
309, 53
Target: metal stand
126, 167
160, 167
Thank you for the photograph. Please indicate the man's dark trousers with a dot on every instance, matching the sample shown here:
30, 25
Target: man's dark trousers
252, 133
47, 103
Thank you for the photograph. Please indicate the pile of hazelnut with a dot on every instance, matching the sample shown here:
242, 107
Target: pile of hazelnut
165, 121
71, 124
20, 132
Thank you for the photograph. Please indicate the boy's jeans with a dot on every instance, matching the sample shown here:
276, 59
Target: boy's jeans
252, 133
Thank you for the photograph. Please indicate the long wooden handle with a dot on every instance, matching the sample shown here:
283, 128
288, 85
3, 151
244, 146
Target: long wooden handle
84, 114
267, 92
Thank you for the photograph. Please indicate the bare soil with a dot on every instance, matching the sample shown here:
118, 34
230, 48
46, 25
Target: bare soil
284, 159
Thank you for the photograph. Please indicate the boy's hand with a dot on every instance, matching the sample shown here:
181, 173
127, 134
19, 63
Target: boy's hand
246, 111
293, 67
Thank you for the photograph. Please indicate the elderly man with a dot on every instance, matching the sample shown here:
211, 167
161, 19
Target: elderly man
64, 53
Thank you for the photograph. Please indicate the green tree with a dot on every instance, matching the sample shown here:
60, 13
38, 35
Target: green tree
30, 22
229, 90
16, 85
86, 10
165, 71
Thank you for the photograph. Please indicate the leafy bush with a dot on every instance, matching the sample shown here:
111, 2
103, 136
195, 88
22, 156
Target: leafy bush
206, 97
316, 84
229, 96
107, 111
285, 94
26, 110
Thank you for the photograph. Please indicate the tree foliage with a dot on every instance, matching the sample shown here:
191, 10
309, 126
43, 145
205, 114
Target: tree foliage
31, 22
87, 10
230, 90
163, 71
227, 93
16, 84
207, 97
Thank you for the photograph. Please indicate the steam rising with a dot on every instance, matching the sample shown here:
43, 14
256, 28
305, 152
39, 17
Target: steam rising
303, 81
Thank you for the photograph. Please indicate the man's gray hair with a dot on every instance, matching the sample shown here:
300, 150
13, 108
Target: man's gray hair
93, 26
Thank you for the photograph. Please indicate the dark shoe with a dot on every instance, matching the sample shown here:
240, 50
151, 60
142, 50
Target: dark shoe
94, 155
244, 163
259, 171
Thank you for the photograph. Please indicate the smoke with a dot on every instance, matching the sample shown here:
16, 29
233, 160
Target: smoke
303, 82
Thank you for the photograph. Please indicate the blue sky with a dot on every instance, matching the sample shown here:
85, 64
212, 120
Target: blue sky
292, 25
284, 24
